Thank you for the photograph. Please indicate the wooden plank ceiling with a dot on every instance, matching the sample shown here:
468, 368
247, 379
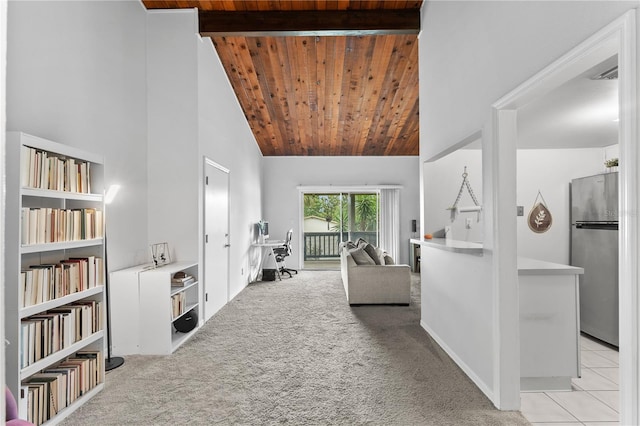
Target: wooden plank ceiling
313, 95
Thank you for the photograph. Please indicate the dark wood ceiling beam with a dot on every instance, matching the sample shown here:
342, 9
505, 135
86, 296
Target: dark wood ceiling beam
215, 23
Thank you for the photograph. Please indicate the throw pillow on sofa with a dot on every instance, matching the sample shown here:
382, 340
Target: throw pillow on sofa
373, 254
347, 244
361, 242
361, 257
388, 260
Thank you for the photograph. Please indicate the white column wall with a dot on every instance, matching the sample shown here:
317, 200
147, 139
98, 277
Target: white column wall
3, 118
194, 113
472, 54
172, 151
80, 79
226, 138
282, 176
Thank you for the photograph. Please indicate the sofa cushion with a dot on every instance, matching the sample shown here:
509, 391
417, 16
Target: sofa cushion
361, 242
361, 257
347, 244
388, 260
373, 254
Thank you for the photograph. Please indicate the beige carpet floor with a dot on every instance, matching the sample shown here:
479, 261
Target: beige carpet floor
294, 352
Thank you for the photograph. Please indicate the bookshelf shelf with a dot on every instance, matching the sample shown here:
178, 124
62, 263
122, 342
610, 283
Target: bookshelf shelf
175, 289
44, 176
60, 355
147, 295
67, 411
177, 339
67, 245
41, 307
187, 308
60, 195
156, 307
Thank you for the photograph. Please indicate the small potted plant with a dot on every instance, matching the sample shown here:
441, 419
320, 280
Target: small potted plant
611, 164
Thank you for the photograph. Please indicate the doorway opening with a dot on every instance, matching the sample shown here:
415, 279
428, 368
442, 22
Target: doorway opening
332, 218
616, 39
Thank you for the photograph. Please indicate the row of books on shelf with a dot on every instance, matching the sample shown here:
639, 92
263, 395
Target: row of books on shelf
42, 283
46, 170
56, 329
178, 304
57, 387
49, 225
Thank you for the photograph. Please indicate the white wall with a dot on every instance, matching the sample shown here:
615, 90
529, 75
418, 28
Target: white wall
193, 113
226, 138
3, 118
471, 54
443, 179
172, 151
76, 74
474, 52
130, 77
459, 324
546, 170
282, 176
550, 171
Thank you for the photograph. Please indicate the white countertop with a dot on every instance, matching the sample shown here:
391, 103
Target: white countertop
528, 266
456, 246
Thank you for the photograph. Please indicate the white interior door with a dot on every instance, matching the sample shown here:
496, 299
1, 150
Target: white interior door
216, 239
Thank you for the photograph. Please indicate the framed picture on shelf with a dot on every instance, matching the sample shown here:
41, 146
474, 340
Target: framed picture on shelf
160, 254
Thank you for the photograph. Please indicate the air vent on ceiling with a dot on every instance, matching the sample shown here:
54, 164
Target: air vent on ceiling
611, 74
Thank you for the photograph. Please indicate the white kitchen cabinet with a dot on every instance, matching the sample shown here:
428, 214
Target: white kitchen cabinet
549, 325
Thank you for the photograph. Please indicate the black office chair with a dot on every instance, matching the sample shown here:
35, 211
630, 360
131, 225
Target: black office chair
283, 251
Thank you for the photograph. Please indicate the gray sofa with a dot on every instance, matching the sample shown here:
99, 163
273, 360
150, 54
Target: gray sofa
366, 284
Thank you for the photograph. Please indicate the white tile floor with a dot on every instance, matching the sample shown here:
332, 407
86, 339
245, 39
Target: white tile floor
595, 396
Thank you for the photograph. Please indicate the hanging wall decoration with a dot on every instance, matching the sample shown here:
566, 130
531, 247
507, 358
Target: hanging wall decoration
476, 208
540, 218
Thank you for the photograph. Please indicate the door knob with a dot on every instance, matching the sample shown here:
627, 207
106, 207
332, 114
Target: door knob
226, 245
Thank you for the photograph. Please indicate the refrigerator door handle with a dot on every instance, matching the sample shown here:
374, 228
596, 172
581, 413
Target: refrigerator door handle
609, 226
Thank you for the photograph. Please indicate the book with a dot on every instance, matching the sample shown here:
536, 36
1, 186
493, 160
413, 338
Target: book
33, 226
184, 283
182, 280
51, 387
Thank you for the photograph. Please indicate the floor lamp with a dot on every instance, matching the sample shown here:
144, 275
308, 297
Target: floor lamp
116, 361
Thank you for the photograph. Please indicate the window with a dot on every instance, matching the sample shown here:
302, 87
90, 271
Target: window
329, 218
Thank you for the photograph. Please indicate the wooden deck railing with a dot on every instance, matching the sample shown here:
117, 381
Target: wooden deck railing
324, 245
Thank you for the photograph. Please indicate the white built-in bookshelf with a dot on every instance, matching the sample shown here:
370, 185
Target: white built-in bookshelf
54, 276
152, 303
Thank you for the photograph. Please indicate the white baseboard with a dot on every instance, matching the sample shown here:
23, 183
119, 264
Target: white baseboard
467, 370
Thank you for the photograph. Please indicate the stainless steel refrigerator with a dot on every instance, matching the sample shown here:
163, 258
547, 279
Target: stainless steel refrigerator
594, 247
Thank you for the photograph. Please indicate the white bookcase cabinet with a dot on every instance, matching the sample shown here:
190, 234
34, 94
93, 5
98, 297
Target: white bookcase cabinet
19, 256
142, 317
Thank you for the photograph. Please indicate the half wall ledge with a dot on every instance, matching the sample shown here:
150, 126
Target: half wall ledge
456, 246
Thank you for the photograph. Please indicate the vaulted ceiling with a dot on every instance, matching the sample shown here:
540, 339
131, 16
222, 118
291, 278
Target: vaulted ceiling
319, 77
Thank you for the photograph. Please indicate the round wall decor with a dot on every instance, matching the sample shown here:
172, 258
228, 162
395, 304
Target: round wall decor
540, 218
